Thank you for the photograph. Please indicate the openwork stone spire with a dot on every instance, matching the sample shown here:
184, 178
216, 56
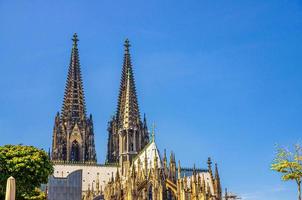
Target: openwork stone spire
127, 111
127, 134
73, 135
74, 100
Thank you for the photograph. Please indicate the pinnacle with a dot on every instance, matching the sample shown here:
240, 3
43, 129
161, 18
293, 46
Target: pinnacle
216, 171
209, 161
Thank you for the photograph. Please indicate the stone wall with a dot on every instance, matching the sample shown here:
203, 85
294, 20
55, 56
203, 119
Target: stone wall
90, 173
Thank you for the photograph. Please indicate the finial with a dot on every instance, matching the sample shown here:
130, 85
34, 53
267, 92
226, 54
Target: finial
153, 132
216, 172
75, 39
210, 167
117, 177
209, 162
179, 170
127, 45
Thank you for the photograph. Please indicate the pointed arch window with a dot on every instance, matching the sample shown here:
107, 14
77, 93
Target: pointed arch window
75, 151
150, 197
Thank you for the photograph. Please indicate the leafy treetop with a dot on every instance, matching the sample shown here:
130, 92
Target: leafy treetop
28, 165
290, 165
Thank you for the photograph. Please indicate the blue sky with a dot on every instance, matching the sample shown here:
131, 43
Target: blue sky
219, 78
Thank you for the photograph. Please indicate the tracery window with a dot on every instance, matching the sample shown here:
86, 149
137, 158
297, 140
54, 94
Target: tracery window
150, 197
75, 151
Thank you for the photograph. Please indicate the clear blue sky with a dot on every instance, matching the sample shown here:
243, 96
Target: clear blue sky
219, 78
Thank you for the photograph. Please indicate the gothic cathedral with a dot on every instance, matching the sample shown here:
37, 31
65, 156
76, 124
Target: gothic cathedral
134, 168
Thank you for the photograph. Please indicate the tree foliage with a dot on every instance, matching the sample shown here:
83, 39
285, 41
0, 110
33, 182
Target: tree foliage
28, 165
290, 165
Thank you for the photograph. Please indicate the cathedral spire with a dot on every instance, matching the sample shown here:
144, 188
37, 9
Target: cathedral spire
73, 134
217, 185
210, 167
216, 172
179, 170
128, 111
74, 100
127, 134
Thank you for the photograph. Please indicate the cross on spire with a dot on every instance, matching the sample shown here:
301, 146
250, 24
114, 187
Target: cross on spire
127, 46
75, 39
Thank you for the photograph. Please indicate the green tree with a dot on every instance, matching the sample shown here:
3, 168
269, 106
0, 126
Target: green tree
289, 163
28, 165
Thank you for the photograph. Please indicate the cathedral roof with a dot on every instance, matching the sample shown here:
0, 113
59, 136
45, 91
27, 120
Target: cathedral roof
204, 176
127, 110
74, 100
150, 152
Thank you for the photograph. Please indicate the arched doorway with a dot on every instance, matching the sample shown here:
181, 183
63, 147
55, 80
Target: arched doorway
75, 151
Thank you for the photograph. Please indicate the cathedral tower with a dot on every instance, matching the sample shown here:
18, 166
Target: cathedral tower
73, 136
128, 134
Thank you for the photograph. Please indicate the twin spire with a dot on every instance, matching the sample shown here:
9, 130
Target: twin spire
74, 100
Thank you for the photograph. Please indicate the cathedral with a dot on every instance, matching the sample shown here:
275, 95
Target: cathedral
134, 168
128, 135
